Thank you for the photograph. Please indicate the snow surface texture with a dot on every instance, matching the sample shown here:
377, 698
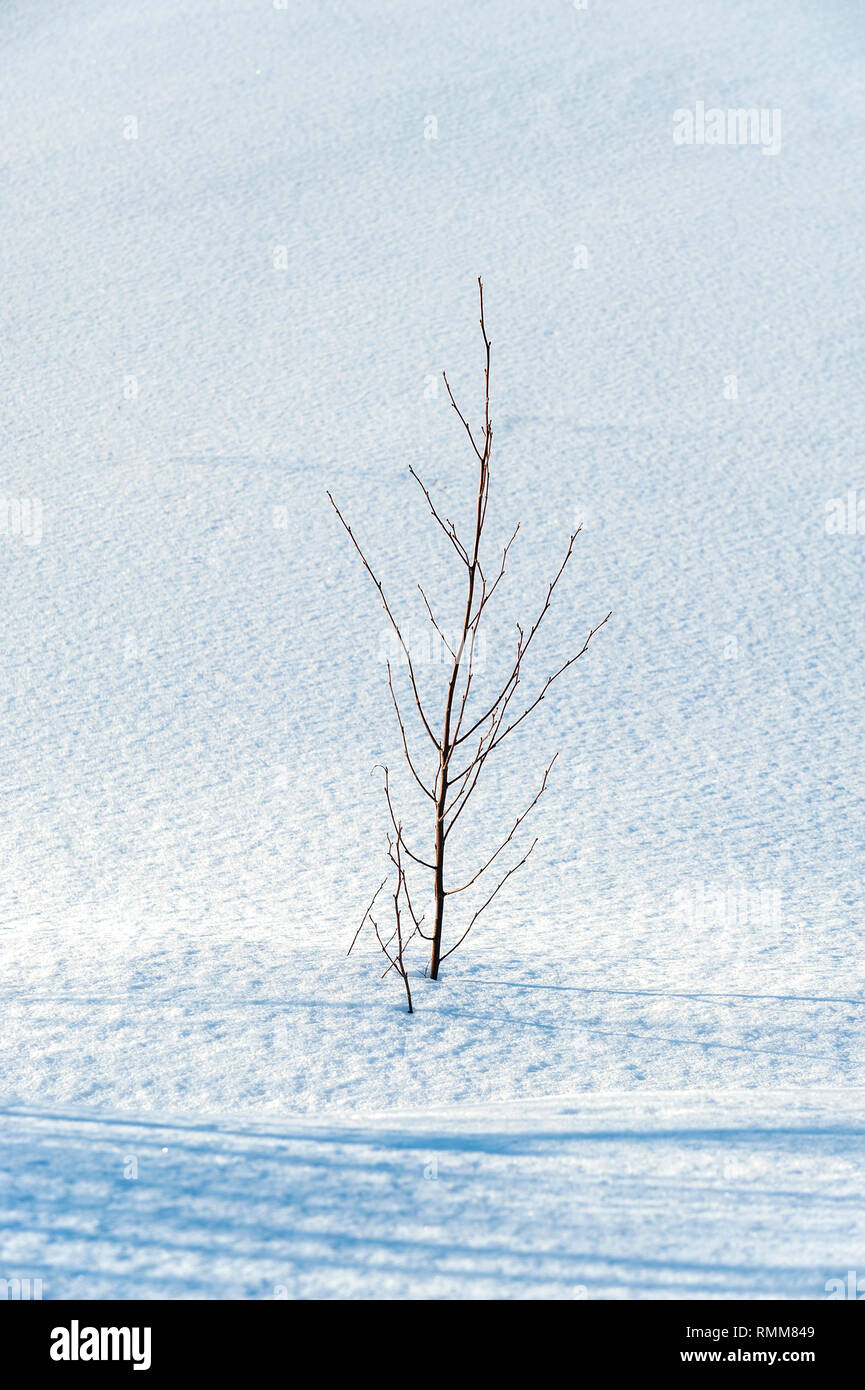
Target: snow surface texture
240, 243
755, 1195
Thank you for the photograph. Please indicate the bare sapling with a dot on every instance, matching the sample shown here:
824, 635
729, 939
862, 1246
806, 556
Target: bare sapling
457, 742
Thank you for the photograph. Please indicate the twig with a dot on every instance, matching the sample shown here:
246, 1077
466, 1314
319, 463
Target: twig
366, 914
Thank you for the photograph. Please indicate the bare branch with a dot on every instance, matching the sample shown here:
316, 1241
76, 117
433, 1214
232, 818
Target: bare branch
447, 525
548, 682
506, 841
487, 594
395, 823
453, 741
463, 418
366, 914
424, 788
523, 645
397, 960
472, 766
486, 904
433, 621
393, 620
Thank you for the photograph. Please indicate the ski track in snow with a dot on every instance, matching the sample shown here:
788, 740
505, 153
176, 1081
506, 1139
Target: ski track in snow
674, 1196
207, 325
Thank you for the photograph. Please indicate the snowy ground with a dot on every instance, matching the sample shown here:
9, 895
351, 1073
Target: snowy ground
748, 1195
240, 243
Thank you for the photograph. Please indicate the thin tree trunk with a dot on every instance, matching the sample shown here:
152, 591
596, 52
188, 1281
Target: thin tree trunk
447, 748
435, 955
